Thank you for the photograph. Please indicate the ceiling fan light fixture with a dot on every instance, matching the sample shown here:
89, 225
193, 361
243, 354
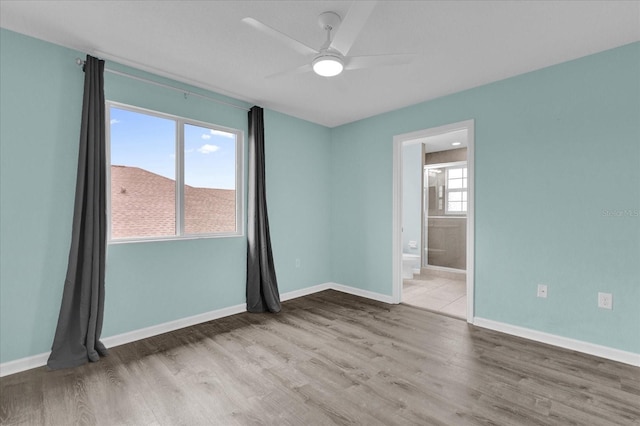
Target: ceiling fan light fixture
328, 65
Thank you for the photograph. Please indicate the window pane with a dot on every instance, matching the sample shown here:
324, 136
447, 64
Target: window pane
455, 183
455, 196
464, 172
142, 175
454, 206
455, 173
464, 196
210, 180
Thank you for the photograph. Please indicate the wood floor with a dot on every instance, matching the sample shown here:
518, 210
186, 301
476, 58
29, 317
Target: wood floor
330, 358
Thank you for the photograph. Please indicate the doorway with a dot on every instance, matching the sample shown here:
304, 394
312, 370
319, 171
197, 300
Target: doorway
433, 254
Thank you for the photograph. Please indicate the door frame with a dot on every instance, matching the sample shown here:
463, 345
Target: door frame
398, 142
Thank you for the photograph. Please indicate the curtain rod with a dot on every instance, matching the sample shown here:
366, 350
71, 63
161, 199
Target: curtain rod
80, 62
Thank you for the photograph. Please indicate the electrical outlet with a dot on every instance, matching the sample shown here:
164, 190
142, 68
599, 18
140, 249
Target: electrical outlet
298, 263
542, 290
605, 300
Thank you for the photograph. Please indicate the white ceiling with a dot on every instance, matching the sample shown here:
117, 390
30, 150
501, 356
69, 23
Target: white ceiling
460, 44
444, 141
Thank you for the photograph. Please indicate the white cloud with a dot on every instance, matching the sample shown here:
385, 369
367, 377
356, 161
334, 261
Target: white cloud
221, 133
114, 121
206, 136
208, 149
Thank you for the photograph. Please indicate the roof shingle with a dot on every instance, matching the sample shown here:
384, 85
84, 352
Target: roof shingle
143, 205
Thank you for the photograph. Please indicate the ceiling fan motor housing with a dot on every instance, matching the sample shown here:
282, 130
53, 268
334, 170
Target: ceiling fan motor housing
328, 63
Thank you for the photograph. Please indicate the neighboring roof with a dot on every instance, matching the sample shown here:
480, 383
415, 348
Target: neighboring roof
143, 205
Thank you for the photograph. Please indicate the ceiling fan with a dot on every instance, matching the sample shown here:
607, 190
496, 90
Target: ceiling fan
331, 59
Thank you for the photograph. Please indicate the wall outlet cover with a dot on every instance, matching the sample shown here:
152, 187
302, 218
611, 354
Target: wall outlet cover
542, 290
605, 300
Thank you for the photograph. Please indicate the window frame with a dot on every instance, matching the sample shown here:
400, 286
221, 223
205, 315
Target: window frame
462, 190
179, 175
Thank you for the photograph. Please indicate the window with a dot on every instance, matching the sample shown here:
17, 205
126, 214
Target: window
456, 190
172, 177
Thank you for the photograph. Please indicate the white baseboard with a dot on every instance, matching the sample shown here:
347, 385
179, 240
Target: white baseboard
338, 287
154, 330
304, 292
362, 293
39, 360
22, 364
563, 342
35, 361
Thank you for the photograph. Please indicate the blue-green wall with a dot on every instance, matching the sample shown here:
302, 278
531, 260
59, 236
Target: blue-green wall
554, 150
147, 283
40, 102
154, 282
297, 159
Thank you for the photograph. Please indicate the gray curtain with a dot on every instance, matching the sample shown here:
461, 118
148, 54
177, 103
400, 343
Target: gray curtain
77, 338
262, 286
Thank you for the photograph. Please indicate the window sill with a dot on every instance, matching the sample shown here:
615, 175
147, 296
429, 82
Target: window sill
173, 238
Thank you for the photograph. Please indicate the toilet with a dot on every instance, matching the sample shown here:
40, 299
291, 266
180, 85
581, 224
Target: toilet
410, 265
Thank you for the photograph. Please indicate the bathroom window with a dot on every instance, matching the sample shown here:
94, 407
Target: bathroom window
456, 190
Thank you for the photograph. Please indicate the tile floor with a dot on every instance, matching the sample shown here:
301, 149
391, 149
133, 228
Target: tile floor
435, 293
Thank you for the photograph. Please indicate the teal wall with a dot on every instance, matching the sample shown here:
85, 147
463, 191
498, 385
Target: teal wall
297, 158
40, 105
147, 283
154, 282
555, 149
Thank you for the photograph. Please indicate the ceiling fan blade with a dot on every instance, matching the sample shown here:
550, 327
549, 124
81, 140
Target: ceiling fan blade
304, 68
358, 62
282, 37
351, 25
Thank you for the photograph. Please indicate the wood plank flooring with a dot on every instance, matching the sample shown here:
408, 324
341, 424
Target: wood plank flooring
329, 358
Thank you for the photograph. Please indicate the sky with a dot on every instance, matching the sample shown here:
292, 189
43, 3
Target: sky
149, 142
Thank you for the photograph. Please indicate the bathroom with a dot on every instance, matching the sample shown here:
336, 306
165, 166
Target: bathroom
435, 205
